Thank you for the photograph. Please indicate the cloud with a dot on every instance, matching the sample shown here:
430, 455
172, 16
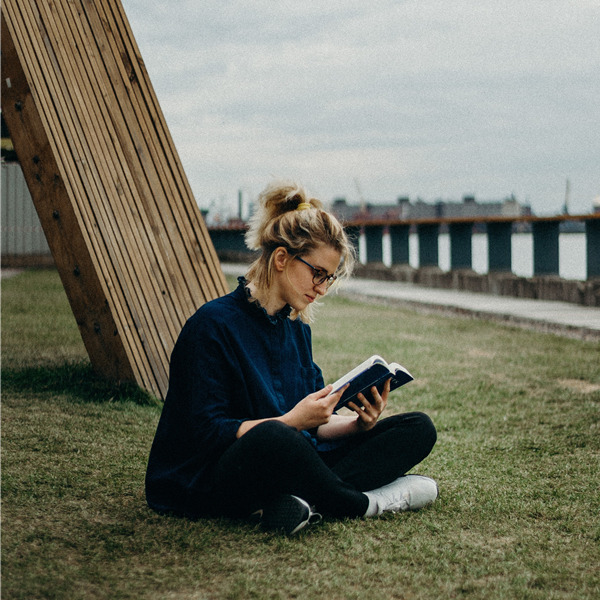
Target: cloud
427, 98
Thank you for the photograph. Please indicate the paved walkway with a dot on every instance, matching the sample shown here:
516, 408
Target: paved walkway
562, 318
6, 273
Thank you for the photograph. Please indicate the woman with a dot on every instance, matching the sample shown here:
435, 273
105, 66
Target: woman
247, 427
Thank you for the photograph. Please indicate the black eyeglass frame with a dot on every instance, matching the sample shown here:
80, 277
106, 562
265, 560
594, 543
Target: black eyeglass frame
318, 277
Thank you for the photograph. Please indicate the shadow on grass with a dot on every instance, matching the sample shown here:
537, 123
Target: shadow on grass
76, 379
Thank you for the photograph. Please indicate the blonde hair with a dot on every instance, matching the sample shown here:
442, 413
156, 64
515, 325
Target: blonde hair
288, 217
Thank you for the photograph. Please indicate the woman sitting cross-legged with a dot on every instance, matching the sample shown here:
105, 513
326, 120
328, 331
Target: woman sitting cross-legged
248, 426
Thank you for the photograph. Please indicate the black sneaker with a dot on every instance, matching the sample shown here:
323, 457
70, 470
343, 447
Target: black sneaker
288, 514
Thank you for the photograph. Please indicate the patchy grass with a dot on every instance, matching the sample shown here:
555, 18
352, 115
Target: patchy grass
517, 461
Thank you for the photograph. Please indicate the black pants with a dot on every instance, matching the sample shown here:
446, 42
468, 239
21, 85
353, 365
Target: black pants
273, 458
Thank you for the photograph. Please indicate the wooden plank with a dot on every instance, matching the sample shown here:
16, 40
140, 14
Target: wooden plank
203, 253
149, 182
154, 210
66, 112
60, 223
161, 180
66, 136
120, 216
146, 328
125, 231
77, 178
158, 210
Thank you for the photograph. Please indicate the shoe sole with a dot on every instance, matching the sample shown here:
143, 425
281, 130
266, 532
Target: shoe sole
430, 501
288, 515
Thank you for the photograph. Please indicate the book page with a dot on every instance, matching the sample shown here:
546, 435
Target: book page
342, 381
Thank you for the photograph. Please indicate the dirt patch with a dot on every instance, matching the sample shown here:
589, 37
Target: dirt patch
581, 386
6, 273
480, 353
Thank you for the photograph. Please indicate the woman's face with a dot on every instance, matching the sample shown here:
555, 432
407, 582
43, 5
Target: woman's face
297, 287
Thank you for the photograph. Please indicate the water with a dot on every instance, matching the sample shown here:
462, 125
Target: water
571, 257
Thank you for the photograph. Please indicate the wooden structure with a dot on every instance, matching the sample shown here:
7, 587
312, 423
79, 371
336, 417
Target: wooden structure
126, 234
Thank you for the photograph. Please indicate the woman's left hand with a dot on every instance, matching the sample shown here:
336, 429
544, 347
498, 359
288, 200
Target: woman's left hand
369, 412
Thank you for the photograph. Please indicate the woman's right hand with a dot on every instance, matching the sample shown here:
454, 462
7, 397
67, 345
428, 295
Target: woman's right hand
313, 410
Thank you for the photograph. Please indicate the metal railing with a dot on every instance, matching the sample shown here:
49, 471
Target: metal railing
229, 241
499, 230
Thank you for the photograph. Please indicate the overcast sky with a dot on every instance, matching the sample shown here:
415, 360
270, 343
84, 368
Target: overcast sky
422, 98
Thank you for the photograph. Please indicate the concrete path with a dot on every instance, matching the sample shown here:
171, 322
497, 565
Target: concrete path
6, 273
562, 318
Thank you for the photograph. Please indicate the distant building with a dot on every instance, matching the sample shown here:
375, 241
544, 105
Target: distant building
405, 209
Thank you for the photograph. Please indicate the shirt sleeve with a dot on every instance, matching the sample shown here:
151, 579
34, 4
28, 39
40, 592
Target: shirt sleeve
205, 376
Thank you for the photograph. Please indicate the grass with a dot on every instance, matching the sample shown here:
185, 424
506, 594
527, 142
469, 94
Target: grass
517, 461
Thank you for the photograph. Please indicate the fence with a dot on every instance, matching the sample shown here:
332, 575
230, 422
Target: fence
22, 236
23, 243
499, 231
545, 283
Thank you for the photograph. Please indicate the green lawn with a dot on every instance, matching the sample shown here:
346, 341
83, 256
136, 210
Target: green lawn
517, 461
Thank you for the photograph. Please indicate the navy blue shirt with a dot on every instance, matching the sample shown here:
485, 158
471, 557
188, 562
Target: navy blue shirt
232, 362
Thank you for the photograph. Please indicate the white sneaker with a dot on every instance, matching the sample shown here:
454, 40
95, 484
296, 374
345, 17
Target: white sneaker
410, 492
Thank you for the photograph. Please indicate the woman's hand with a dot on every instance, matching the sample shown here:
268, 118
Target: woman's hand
369, 412
313, 410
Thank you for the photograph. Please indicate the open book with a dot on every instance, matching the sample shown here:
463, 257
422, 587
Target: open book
374, 371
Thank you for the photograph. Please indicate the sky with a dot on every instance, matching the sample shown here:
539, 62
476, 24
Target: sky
375, 100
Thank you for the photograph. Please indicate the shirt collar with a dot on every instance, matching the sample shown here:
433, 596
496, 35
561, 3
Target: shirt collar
280, 315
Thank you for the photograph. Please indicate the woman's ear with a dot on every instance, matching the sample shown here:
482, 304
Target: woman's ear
281, 258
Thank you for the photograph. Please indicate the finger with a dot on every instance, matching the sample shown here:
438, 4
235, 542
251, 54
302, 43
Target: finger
374, 408
386, 393
322, 393
335, 397
377, 397
364, 409
356, 408
380, 398
364, 403
386, 388
365, 417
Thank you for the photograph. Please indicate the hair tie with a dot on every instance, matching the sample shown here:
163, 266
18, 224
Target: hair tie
303, 206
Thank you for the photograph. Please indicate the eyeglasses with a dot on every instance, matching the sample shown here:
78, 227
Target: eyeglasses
319, 275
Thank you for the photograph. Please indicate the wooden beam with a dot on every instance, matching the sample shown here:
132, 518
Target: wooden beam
123, 226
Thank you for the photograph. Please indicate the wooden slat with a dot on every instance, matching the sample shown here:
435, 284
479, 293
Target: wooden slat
60, 222
160, 177
148, 181
194, 219
100, 212
120, 219
64, 131
150, 120
125, 231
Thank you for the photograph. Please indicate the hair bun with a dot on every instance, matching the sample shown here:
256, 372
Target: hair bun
276, 200
280, 221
